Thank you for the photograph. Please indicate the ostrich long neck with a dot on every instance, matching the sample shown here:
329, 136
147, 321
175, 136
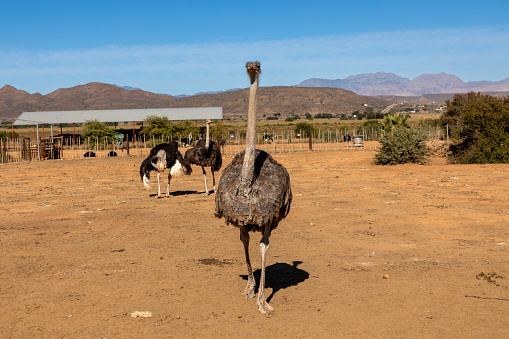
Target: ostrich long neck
247, 176
207, 138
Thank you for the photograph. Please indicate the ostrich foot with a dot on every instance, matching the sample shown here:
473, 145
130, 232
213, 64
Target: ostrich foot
263, 306
249, 291
206, 194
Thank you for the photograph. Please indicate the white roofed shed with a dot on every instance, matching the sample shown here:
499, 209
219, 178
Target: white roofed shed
117, 115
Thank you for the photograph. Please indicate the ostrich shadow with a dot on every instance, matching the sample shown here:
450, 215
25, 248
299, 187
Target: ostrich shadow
280, 276
210, 192
176, 193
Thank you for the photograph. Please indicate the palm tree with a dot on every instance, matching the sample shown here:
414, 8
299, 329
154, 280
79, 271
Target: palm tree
392, 121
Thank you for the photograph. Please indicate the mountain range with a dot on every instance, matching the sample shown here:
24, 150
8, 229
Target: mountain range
381, 83
283, 100
353, 93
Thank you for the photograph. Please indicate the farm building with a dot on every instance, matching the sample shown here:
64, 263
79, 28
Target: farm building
48, 147
117, 115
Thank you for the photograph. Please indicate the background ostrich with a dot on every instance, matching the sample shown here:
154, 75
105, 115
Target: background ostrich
163, 156
206, 153
254, 194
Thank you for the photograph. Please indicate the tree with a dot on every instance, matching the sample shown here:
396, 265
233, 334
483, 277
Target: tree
97, 131
217, 130
392, 120
479, 127
374, 115
8, 134
323, 116
183, 128
372, 129
156, 126
304, 126
162, 127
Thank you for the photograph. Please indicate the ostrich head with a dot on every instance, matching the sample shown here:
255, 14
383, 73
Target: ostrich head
253, 70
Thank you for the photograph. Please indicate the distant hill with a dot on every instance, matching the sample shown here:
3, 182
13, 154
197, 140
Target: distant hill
209, 92
360, 83
129, 88
381, 83
271, 100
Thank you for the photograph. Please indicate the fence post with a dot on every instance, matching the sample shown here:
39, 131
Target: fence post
310, 139
127, 142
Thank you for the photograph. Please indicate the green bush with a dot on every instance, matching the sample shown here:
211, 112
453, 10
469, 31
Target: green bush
479, 128
401, 145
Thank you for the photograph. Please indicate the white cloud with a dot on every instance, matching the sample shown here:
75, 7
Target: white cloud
471, 54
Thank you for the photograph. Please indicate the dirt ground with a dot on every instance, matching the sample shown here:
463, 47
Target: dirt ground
408, 251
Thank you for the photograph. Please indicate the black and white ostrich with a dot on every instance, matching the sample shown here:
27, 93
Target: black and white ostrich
206, 153
163, 156
254, 194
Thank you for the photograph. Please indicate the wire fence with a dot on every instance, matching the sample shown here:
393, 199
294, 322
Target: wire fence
231, 142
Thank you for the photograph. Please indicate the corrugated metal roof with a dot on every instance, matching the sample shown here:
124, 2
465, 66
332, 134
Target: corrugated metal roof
118, 115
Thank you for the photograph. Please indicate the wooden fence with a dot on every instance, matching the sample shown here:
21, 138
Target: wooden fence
232, 142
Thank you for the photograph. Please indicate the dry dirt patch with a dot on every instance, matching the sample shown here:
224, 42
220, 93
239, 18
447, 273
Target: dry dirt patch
84, 245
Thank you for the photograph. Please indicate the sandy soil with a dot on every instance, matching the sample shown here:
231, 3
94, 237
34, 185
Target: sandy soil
406, 251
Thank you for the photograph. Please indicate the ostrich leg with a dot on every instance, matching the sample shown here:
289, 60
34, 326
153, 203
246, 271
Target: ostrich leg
263, 306
213, 179
249, 291
158, 184
205, 178
168, 187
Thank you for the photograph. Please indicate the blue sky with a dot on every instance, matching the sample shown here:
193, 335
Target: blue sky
188, 47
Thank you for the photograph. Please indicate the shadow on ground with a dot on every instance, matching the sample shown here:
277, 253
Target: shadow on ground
280, 276
176, 193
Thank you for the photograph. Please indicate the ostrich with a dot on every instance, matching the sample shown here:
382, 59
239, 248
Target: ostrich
268, 139
206, 153
163, 156
254, 194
